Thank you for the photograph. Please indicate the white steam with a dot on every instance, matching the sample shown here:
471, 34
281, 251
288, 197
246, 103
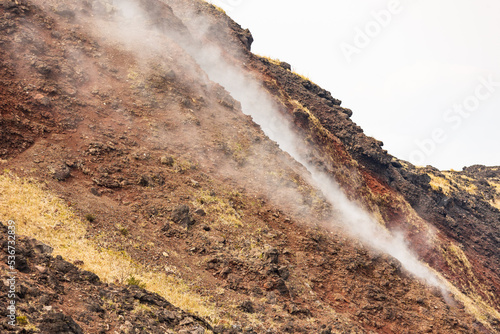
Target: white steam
256, 102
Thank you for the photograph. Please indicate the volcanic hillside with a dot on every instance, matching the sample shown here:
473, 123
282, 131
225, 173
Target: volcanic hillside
146, 199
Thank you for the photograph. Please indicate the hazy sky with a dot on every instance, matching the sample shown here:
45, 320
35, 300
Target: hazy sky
422, 76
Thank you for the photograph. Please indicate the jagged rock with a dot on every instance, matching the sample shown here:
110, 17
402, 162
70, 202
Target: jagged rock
247, 306
53, 322
61, 172
201, 212
286, 66
89, 277
281, 287
62, 266
246, 38
22, 264
123, 111
42, 100
271, 255
182, 216
301, 117
9, 4
166, 160
42, 67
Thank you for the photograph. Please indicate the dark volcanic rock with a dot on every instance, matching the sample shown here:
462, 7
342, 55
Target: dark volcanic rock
61, 172
59, 323
182, 216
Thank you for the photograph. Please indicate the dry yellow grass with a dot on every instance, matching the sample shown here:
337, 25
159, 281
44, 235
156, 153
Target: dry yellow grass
461, 182
472, 300
451, 182
303, 77
41, 215
225, 213
475, 306
496, 203
440, 184
496, 186
271, 60
278, 62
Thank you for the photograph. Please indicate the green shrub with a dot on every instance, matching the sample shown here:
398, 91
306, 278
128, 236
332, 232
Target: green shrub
22, 320
134, 281
90, 217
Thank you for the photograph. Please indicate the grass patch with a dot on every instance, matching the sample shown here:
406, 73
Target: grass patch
90, 217
271, 60
181, 166
135, 281
441, 184
474, 303
22, 320
461, 182
303, 77
41, 215
496, 203
221, 207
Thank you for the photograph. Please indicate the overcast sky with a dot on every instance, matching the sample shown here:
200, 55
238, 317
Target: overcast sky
422, 76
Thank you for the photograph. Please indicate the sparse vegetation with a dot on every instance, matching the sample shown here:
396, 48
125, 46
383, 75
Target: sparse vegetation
140, 308
22, 320
303, 77
271, 60
213, 204
123, 231
496, 203
449, 182
132, 280
461, 182
315, 125
441, 184
276, 257
90, 217
278, 62
474, 303
39, 214
182, 166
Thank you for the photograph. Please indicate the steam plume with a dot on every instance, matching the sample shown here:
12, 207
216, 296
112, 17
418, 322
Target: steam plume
257, 103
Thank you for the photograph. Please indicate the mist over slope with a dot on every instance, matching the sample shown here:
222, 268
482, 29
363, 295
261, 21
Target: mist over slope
237, 190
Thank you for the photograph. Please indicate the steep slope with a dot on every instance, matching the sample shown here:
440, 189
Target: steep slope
462, 206
164, 181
